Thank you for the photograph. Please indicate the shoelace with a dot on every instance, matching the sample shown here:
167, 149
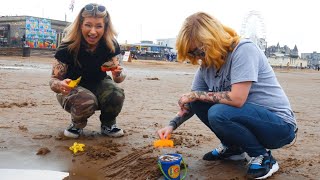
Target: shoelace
256, 160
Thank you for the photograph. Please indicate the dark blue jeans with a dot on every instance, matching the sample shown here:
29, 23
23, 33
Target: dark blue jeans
251, 128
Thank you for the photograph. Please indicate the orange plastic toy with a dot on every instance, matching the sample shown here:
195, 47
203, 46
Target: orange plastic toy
163, 143
104, 68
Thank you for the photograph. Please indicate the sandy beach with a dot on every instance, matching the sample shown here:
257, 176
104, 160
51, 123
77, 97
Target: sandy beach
32, 123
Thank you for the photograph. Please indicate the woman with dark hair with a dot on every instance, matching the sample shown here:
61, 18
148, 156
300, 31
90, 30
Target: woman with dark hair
86, 52
235, 93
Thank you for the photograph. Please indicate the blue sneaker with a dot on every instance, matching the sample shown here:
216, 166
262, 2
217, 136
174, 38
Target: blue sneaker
261, 167
222, 152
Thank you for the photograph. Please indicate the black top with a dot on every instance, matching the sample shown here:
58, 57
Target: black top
90, 62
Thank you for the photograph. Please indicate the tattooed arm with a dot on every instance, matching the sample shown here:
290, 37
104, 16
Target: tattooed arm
182, 116
236, 97
57, 83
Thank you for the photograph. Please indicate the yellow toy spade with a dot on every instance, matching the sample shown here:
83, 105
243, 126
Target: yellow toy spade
74, 83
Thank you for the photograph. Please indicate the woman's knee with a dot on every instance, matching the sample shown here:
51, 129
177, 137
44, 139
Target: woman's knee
112, 96
218, 113
84, 103
108, 92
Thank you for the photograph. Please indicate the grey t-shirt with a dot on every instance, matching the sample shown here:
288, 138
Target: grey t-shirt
247, 63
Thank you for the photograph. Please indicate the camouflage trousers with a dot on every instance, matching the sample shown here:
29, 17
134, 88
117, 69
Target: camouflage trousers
82, 103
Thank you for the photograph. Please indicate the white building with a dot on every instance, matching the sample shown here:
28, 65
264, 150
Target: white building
170, 42
287, 62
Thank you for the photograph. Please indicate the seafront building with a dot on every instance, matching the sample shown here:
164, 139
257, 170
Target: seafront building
25, 35
312, 58
285, 57
34, 31
43, 35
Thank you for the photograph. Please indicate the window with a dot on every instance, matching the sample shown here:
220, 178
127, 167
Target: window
4, 33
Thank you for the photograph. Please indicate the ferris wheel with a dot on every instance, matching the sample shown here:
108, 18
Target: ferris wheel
253, 28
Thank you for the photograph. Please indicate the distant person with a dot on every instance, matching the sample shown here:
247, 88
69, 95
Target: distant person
88, 46
134, 56
167, 56
23, 40
170, 57
235, 93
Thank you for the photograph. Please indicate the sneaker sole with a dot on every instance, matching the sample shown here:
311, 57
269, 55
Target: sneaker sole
69, 134
274, 169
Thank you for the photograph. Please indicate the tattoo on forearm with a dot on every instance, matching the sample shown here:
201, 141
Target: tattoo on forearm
178, 120
58, 72
214, 97
54, 85
192, 96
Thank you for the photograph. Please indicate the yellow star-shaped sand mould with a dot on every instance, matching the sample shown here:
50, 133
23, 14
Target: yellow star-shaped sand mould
77, 147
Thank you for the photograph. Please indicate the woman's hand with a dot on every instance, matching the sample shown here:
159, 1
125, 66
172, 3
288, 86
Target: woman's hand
118, 74
117, 71
64, 87
165, 132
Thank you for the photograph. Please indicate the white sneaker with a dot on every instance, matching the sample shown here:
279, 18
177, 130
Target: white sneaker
72, 131
112, 131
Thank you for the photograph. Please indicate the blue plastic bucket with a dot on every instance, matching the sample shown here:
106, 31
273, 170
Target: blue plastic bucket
169, 165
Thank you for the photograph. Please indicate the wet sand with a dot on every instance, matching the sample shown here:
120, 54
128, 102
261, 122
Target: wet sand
32, 122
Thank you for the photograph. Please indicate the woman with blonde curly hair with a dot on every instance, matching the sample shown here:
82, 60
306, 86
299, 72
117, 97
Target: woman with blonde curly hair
235, 93
88, 50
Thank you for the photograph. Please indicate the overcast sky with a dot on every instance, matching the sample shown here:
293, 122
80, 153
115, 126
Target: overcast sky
290, 23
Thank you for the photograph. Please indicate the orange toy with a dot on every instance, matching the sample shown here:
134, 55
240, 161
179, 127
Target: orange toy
110, 65
163, 143
104, 68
